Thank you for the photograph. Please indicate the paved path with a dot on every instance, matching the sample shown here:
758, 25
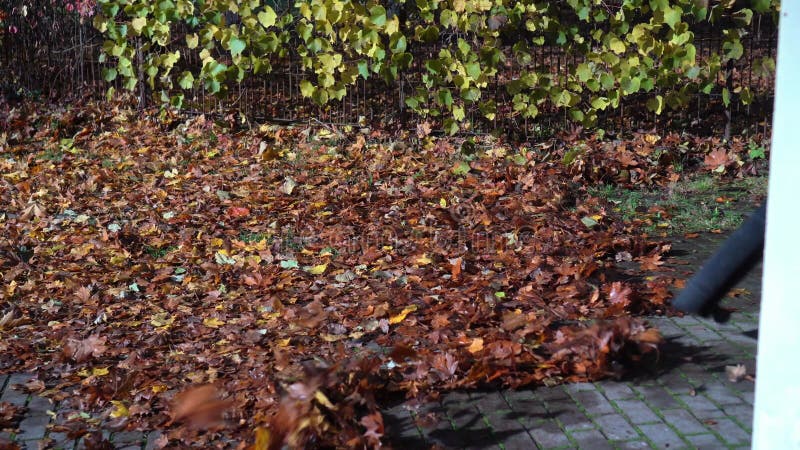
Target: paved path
685, 401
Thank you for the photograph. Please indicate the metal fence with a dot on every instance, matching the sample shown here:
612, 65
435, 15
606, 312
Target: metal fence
56, 55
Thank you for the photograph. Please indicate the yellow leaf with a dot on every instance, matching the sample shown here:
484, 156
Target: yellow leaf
402, 316
424, 260
476, 345
263, 438
120, 410
323, 400
162, 319
284, 342
157, 388
118, 259
443, 203
652, 138
318, 269
332, 337
100, 371
213, 322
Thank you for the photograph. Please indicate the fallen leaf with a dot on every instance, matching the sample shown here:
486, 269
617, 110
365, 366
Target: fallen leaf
288, 186
119, 410
374, 425
620, 293
236, 212
213, 322
200, 407
736, 373
82, 350
402, 315
476, 345
716, 158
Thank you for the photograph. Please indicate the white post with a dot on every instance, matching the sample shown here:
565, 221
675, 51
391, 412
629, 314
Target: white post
777, 405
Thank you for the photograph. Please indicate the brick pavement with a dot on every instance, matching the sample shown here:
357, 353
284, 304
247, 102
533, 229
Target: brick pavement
685, 401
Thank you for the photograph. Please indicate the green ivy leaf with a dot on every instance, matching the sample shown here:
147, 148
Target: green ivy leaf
236, 46
655, 104
186, 80
378, 15
397, 42
726, 97
600, 103
267, 17
306, 88
363, 69
584, 72
109, 73
616, 45
445, 97
138, 24
192, 40
458, 113
672, 16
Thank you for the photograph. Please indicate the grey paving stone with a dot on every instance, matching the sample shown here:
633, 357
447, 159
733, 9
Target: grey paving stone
33, 427
549, 435
152, 440
578, 387
3, 379
637, 411
521, 441
401, 430
721, 394
594, 402
661, 436
632, 445
743, 414
31, 445
591, 440
525, 404
675, 381
15, 396
668, 328
5, 437
490, 402
615, 427
704, 333
749, 397
617, 391
682, 420
39, 405
698, 402
572, 419
705, 441
730, 431
657, 397
552, 394
464, 415
61, 441
127, 437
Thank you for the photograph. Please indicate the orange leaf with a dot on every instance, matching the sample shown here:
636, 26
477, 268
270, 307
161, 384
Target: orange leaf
199, 407
236, 212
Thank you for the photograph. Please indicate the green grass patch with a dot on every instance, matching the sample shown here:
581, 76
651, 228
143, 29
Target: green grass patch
700, 203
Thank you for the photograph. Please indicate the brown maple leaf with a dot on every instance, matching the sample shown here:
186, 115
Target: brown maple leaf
374, 425
650, 262
83, 350
620, 293
200, 407
716, 158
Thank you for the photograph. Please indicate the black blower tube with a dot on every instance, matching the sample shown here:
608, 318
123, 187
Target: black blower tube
737, 255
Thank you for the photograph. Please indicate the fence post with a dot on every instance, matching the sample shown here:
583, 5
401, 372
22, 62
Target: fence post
777, 404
